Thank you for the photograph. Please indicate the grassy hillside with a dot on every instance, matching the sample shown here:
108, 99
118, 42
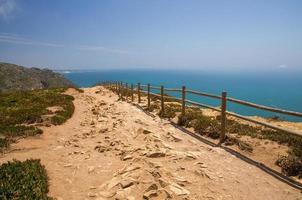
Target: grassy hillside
23, 112
14, 77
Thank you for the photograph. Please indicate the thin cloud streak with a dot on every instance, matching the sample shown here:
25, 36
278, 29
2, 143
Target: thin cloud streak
17, 39
104, 49
283, 66
7, 7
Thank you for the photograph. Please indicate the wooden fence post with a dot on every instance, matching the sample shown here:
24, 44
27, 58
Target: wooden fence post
223, 117
119, 88
139, 92
117, 92
122, 90
183, 103
162, 99
116, 87
149, 96
116, 83
132, 96
126, 91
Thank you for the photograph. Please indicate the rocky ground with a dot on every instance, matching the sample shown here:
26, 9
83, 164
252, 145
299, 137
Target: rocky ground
112, 150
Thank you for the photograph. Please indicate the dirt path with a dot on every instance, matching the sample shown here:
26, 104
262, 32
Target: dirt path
112, 150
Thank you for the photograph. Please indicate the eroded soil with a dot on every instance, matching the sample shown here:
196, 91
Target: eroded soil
112, 150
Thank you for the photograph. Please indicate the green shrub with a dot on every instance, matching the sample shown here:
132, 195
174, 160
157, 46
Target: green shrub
293, 141
23, 180
191, 114
290, 165
19, 130
78, 89
21, 110
63, 115
153, 106
206, 125
166, 98
3, 143
28, 106
170, 111
202, 124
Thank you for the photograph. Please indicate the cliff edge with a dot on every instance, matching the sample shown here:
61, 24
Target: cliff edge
15, 77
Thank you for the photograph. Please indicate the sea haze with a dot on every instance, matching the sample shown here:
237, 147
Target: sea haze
279, 89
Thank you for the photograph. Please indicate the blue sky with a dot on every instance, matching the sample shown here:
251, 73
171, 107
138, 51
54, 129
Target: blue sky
173, 34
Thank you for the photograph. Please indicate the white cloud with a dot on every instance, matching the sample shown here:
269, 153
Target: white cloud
282, 66
7, 7
19, 40
103, 49
16, 39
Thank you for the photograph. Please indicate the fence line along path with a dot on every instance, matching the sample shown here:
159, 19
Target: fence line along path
146, 89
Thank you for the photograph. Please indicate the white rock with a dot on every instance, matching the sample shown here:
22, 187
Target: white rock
127, 157
91, 194
67, 165
178, 190
91, 169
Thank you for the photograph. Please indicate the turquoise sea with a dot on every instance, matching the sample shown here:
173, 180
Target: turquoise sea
281, 90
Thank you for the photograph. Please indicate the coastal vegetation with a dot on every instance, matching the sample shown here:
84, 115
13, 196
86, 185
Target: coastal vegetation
30, 98
291, 164
209, 126
14, 77
23, 112
23, 180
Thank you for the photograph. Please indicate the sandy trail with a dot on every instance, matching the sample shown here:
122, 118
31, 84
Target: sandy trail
112, 150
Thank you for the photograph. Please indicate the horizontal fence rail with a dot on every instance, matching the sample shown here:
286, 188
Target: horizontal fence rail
139, 89
172, 90
156, 88
125, 90
203, 105
204, 94
276, 110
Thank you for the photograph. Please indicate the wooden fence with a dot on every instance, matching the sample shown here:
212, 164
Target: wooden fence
146, 89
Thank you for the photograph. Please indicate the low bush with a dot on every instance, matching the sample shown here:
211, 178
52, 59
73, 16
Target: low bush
202, 124
20, 111
23, 180
153, 106
290, 165
166, 98
62, 115
3, 143
293, 141
78, 89
210, 127
170, 111
19, 130
206, 125
191, 114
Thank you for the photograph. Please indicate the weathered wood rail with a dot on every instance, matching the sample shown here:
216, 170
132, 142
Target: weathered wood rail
146, 89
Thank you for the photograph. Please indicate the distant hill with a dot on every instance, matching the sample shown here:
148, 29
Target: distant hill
14, 77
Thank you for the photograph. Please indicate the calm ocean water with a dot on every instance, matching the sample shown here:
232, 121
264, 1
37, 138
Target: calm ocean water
277, 90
